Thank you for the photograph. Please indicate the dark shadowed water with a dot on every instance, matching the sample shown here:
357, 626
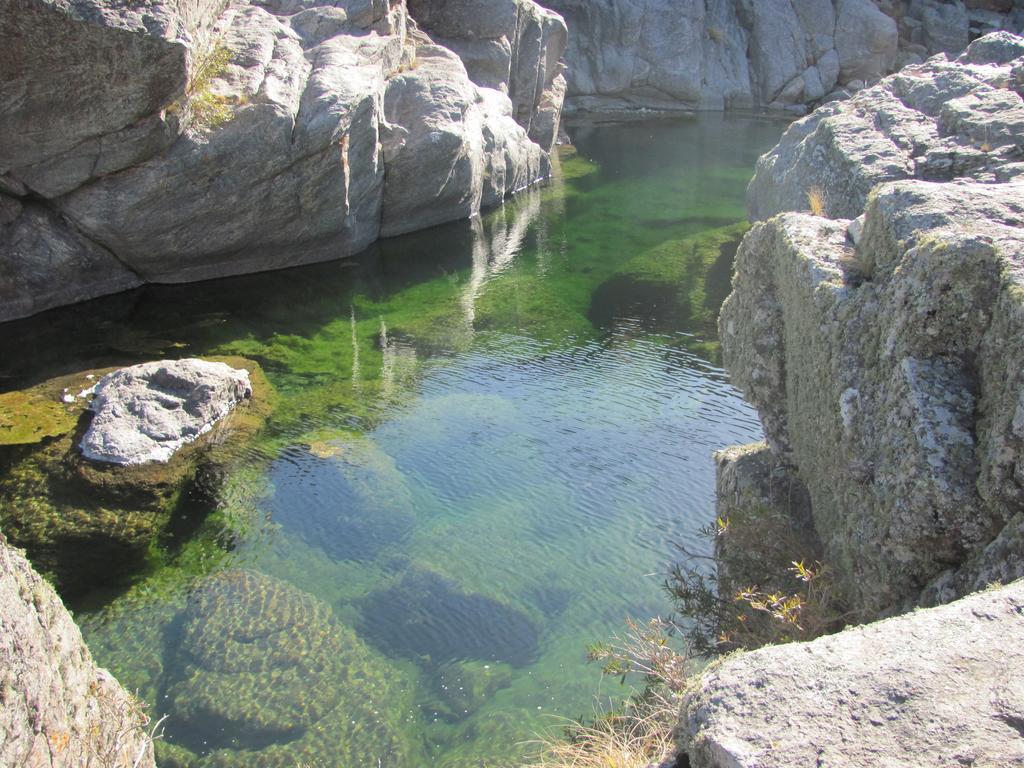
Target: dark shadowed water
487, 437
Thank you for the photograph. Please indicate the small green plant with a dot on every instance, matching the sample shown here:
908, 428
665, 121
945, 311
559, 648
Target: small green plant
716, 34
764, 585
208, 109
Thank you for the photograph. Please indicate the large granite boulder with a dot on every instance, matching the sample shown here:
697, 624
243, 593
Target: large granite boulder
450, 148
883, 352
938, 120
514, 46
251, 138
723, 54
715, 54
147, 412
937, 687
57, 708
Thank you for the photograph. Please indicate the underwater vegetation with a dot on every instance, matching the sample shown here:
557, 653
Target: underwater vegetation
84, 523
264, 675
480, 440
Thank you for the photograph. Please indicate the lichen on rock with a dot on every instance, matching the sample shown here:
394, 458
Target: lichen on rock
57, 708
885, 359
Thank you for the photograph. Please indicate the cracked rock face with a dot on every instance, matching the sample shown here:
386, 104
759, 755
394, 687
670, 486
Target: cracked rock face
884, 354
937, 687
135, 184
714, 54
58, 708
147, 412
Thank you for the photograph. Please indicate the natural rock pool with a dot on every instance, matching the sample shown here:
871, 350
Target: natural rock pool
485, 438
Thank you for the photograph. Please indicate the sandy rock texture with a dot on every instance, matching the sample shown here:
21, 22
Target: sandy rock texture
882, 346
244, 137
56, 707
937, 687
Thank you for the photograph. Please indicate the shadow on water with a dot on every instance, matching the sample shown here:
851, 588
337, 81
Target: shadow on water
424, 616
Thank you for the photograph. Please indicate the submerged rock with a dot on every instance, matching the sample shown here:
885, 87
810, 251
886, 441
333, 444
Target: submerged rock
888, 372
147, 412
424, 615
936, 687
267, 677
343, 495
84, 522
56, 707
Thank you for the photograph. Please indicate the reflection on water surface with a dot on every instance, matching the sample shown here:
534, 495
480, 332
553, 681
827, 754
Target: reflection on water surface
486, 437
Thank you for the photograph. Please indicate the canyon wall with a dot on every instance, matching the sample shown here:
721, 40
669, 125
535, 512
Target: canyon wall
178, 142
876, 323
715, 54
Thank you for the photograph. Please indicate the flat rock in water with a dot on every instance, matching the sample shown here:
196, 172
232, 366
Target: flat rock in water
937, 687
147, 412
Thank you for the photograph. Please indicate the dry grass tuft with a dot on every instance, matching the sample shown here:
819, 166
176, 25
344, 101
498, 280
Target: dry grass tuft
642, 730
816, 201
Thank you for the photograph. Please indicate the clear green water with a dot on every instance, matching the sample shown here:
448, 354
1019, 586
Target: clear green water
487, 437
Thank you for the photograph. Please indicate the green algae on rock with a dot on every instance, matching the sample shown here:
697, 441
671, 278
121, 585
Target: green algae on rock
84, 523
292, 684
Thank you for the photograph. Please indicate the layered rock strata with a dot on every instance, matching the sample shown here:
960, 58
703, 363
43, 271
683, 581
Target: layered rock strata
57, 708
663, 54
938, 687
196, 140
882, 347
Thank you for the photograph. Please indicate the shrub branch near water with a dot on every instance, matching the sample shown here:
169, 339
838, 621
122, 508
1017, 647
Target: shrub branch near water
764, 586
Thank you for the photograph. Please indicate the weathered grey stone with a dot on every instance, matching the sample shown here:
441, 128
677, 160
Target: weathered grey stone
107, 68
452, 147
56, 707
511, 45
866, 41
147, 412
44, 263
937, 687
939, 120
292, 172
944, 26
886, 374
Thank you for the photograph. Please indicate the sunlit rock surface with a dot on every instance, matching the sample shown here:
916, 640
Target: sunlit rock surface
937, 687
147, 412
57, 708
692, 54
884, 354
243, 138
